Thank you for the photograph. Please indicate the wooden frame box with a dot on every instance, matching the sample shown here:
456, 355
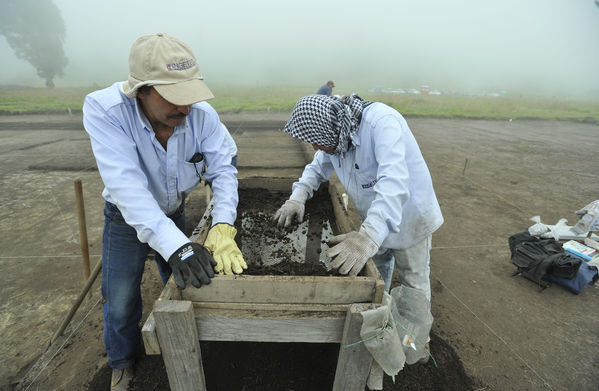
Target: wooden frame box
266, 309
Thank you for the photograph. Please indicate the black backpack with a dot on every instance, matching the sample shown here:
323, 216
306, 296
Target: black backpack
536, 257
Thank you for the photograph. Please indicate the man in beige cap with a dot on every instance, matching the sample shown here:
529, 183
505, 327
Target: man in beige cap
154, 138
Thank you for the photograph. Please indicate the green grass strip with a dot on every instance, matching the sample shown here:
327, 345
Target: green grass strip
17, 100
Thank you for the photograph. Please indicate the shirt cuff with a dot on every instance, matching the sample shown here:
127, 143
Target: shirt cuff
222, 216
299, 195
377, 235
167, 238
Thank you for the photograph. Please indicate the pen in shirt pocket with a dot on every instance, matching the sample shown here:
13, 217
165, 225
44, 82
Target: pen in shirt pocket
195, 159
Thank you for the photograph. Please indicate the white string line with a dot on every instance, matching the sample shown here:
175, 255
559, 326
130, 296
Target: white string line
6, 157
58, 182
469, 246
237, 129
493, 332
61, 346
49, 189
93, 255
47, 256
64, 220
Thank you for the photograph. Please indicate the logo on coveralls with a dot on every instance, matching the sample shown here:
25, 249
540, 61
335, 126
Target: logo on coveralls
370, 184
181, 66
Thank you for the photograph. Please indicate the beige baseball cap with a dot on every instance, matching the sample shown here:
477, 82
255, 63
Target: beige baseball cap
167, 64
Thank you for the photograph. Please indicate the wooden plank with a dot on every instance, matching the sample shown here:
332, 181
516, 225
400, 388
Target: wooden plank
265, 329
284, 289
353, 365
275, 184
375, 378
349, 220
257, 307
179, 342
370, 270
170, 291
270, 322
148, 330
201, 230
313, 240
308, 151
149, 336
379, 290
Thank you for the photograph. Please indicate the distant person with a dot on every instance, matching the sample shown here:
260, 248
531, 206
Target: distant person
326, 89
373, 152
154, 139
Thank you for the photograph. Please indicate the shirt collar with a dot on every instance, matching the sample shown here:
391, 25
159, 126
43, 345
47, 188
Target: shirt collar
141, 116
148, 126
355, 138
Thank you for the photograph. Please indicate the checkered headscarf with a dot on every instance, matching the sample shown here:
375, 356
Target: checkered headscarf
326, 120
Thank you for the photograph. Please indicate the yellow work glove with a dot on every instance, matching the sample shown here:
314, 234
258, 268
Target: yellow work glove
221, 243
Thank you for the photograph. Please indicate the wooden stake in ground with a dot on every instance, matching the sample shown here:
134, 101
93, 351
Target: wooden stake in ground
82, 228
89, 277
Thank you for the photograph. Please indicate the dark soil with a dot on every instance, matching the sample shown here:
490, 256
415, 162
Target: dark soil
256, 209
289, 269
256, 366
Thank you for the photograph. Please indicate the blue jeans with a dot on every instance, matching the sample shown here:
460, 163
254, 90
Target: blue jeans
123, 259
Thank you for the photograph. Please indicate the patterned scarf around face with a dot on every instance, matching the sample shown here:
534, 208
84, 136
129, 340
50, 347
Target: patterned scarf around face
326, 121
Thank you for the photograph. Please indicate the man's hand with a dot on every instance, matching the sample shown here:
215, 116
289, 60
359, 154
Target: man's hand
193, 262
288, 211
221, 243
352, 251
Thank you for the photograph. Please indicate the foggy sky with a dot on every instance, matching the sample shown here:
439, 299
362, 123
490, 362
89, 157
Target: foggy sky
542, 46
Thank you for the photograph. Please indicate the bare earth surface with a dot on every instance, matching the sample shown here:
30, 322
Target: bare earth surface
490, 178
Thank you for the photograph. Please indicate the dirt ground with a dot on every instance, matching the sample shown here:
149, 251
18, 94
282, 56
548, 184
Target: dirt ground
490, 178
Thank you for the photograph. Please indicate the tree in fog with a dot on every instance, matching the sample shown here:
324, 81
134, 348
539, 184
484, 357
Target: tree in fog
35, 30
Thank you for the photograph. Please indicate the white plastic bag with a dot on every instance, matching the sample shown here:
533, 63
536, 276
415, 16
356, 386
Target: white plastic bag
548, 231
538, 228
560, 226
589, 218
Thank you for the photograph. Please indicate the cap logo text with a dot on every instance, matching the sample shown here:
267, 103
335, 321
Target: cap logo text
181, 66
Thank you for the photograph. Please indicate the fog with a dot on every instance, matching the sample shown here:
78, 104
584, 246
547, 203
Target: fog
42, 46
534, 47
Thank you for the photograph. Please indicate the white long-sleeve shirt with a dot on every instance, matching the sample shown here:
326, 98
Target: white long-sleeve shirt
229, 141
386, 178
146, 182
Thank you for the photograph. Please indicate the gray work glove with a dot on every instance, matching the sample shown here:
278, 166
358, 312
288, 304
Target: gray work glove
290, 209
352, 251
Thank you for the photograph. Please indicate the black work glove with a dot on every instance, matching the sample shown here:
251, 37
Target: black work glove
194, 262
